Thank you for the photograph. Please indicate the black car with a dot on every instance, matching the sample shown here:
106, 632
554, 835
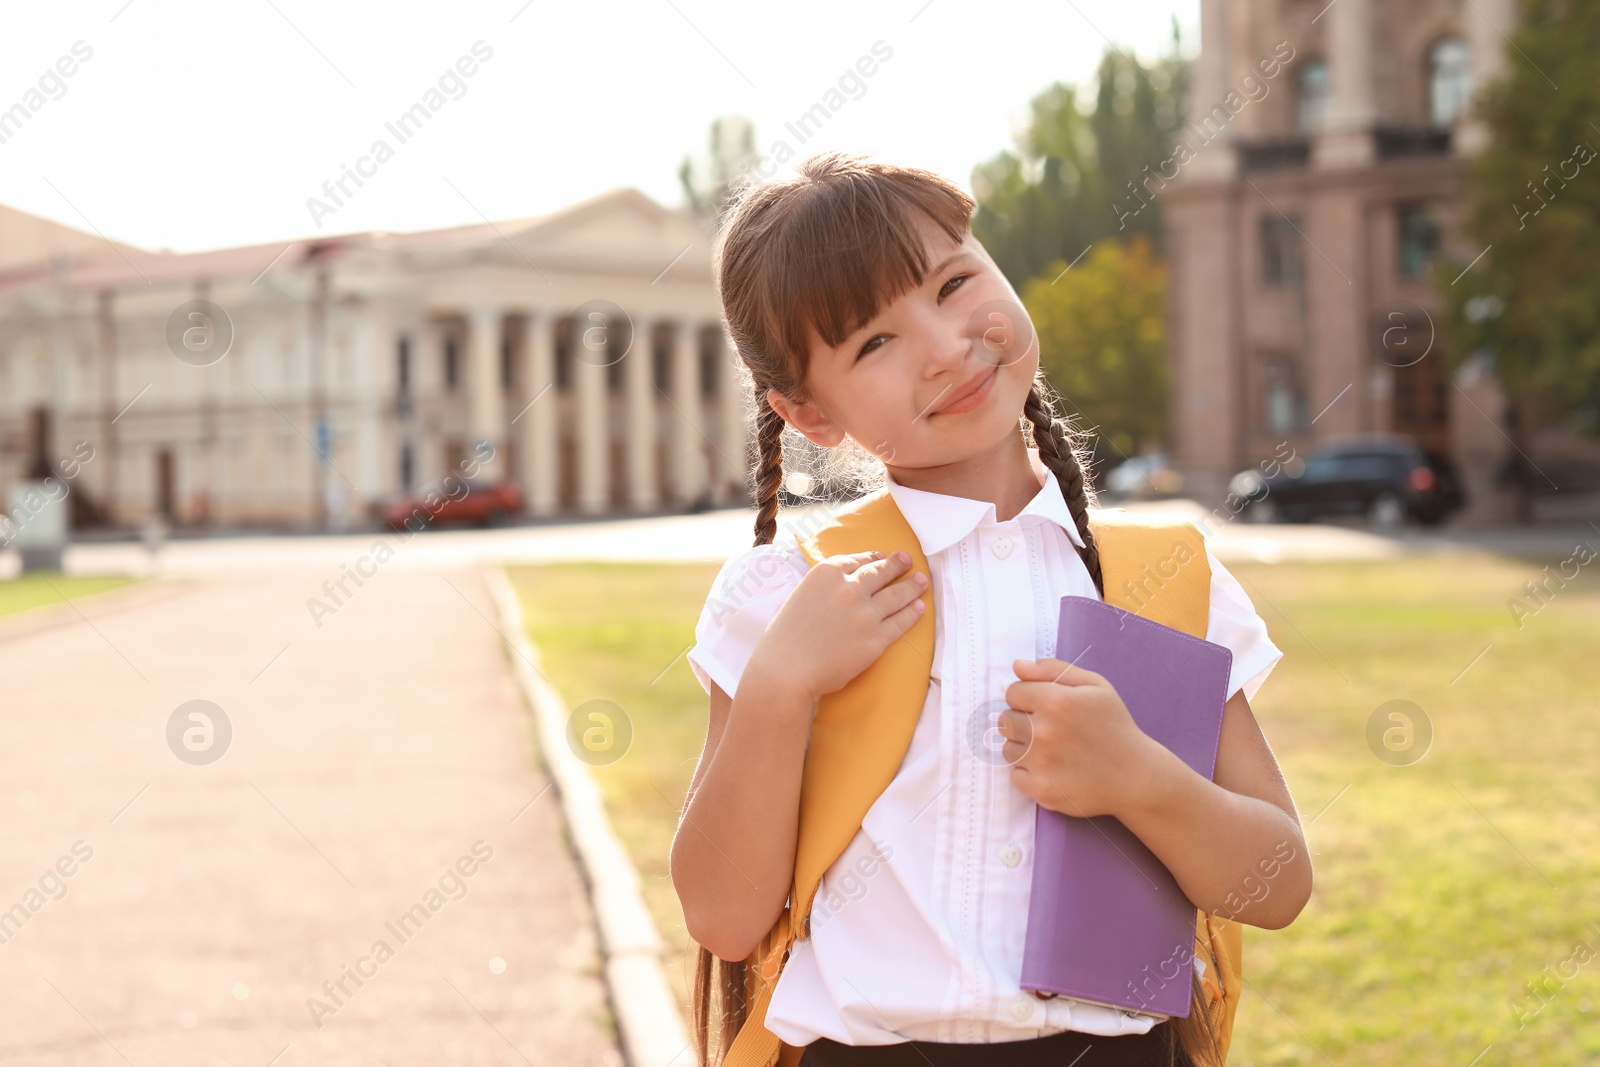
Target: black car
1389, 479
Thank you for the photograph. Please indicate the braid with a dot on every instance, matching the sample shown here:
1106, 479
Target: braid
769, 467
720, 993
1056, 442
720, 1004
1192, 1040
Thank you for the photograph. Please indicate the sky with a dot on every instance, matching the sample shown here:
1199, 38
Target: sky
190, 126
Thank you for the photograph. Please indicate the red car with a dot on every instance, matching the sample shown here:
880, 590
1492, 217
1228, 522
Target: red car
478, 503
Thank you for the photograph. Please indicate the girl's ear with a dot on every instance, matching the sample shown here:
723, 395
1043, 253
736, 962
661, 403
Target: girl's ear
806, 417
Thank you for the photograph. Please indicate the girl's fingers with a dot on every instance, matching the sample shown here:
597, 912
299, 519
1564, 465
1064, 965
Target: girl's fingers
898, 594
1012, 752
875, 575
1015, 725
1057, 671
850, 562
898, 622
1032, 696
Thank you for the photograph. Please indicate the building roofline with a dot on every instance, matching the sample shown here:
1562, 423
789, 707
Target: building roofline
117, 266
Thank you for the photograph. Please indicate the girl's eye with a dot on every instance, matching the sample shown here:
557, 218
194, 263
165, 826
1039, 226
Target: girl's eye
944, 290
869, 346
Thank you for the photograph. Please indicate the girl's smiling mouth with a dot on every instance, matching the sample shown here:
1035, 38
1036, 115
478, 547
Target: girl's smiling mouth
970, 395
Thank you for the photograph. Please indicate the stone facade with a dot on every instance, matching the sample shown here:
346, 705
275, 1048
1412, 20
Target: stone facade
1319, 176
582, 351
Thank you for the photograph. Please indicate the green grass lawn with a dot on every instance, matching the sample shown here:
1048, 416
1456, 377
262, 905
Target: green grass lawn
35, 589
1443, 887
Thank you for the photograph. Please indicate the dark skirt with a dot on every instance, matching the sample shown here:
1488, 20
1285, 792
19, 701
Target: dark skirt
1068, 1048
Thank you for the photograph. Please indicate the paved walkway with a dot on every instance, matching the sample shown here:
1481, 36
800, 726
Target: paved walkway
380, 786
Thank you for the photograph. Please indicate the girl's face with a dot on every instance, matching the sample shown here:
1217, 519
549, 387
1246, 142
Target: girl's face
937, 376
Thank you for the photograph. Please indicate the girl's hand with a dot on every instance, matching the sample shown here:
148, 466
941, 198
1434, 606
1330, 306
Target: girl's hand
838, 621
1072, 745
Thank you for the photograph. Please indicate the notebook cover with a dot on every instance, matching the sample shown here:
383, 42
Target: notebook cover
1107, 922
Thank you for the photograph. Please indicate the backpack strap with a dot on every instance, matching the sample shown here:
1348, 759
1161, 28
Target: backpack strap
859, 735
1155, 568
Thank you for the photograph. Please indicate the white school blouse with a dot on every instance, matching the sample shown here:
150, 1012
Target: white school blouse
917, 928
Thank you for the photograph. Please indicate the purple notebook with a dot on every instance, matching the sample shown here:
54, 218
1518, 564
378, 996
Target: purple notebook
1107, 922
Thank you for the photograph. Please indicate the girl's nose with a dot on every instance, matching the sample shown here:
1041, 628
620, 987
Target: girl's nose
947, 347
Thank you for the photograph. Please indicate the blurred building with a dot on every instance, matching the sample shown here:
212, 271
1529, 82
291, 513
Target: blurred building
296, 385
1321, 177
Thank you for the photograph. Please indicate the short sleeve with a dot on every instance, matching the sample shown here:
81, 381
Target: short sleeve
1235, 624
747, 593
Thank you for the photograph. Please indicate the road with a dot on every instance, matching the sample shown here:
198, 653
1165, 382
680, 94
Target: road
715, 535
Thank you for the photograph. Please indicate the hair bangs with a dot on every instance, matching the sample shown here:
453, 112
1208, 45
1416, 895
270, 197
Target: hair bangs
851, 247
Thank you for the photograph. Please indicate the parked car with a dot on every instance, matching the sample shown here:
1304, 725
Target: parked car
1145, 477
483, 504
1388, 478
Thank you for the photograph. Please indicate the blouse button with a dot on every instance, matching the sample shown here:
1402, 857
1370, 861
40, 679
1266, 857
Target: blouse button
1011, 855
1022, 1007
1001, 546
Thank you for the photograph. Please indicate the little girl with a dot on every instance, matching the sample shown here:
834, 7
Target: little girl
865, 312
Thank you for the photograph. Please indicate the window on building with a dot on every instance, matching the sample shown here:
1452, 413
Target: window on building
507, 363
1312, 105
403, 364
1280, 250
1420, 238
407, 468
1283, 395
1449, 81
451, 362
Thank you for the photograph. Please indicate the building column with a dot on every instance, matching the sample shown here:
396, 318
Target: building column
591, 344
731, 401
210, 450
106, 480
1346, 137
1206, 392
486, 404
1214, 159
539, 421
1485, 21
639, 376
688, 453
375, 386
317, 391
1338, 351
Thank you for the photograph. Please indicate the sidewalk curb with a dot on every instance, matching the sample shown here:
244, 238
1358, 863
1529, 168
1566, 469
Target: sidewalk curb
650, 1028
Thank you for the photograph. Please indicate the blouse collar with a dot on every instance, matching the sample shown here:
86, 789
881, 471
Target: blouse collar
939, 520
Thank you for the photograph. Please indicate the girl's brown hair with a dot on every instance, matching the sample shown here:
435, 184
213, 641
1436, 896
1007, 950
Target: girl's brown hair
821, 253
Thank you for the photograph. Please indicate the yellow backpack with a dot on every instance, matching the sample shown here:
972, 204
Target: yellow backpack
860, 734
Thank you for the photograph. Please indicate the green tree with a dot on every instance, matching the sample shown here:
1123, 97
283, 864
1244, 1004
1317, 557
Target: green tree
1071, 181
1103, 341
708, 183
1531, 305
